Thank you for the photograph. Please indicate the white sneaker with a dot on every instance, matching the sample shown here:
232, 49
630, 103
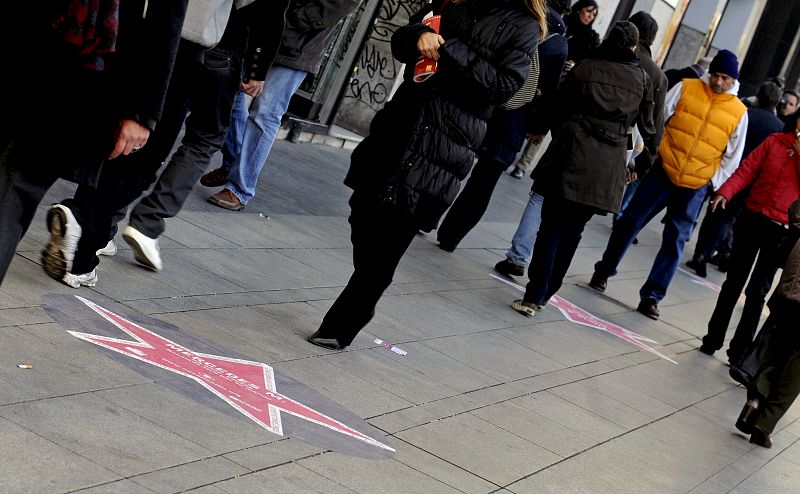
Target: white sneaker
145, 249
109, 250
65, 232
79, 280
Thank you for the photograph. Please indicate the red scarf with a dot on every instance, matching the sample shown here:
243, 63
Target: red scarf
92, 26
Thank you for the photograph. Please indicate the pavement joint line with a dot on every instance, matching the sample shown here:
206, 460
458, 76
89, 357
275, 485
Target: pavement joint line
615, 437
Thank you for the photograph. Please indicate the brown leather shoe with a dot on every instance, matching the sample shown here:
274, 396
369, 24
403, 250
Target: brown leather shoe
649, 307
215, 178
227, 200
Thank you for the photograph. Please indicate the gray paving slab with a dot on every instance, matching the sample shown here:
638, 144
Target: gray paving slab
190, 475
590, 399
105, 434
442, 470
480, 447
118, 487
270, 455
290, 479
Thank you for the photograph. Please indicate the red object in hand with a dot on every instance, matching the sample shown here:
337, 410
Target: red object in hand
426, 67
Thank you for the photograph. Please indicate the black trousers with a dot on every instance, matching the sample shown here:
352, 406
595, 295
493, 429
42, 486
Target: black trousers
559, 234
380, 236
716, 229
777, 382
123, 180
471, 203
754, 236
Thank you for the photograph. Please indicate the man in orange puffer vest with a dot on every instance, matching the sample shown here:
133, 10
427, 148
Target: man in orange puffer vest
702, 146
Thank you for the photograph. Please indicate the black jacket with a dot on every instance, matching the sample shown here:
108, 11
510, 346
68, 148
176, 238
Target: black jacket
309, 24
761, 122
423, 142
601, 98
255, 31
645, 159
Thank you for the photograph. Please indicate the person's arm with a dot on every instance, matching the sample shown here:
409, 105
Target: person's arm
552, 57
748, 172
671, 101
316, 15
265, 21
733, 154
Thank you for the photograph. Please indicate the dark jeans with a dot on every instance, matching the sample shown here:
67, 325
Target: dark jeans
472, 202
124, 179
210, 101
777, 382
560, 233
655, 192
754, 235
380, 236
716, 229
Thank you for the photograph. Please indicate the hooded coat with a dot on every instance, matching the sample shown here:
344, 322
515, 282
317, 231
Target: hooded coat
423, 142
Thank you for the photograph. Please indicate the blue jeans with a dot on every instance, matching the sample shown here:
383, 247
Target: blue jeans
252, 133
630, 189
525, 236
655, 192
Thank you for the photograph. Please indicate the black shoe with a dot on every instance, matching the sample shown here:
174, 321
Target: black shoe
598, 282
649, 307
723, 264
749, 413
706, 349
508, 268
761, 437
698, 266
517, 172
446, 247
330, 343
636, 241
714, 260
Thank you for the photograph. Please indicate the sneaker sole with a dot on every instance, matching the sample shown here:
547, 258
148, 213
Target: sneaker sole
522, 309
138, 253
53, 260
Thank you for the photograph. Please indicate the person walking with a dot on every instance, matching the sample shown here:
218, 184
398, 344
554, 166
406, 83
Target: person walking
583, 172
114, 60
772, 172
407, 172
716, 226
702, 145
581, 37
777, 381
505, 133
81, 225
309, 26
519, 255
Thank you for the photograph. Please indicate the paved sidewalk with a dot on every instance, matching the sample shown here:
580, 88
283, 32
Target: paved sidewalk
484, 401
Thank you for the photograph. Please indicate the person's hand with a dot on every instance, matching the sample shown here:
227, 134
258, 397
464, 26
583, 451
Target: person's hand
568, 65
632, 176
253, 88
535, 138
718, 200
131, 136
797, 143
428, 45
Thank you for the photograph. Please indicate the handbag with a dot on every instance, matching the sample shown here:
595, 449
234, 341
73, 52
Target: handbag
745, 370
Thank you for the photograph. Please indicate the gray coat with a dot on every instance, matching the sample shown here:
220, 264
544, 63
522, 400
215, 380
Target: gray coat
789, 284
309, 24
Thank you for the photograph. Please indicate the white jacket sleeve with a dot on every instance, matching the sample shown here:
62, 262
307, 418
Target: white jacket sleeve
733, 154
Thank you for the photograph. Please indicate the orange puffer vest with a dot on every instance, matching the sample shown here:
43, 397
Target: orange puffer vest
697, 134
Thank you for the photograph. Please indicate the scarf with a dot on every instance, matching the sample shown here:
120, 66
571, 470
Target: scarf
92, 27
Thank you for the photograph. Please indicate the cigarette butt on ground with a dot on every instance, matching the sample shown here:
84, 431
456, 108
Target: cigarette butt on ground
25, 366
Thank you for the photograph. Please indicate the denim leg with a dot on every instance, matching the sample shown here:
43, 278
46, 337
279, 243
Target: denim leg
682, 211
651, 196
630, 190
525, 236
261, 128
233, 140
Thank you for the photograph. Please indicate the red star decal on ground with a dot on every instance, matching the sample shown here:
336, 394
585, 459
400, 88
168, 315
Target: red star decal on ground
247, 386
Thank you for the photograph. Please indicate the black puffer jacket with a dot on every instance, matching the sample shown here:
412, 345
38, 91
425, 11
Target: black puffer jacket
423, 142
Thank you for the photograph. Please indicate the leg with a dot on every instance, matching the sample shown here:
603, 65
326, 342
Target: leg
777, 382
262, 127
630, 190
559, 234
682, 211
743, 254
471, 204
233, 140
649, 199
769, 238
525, 236
21, 190
380, 237
211, 103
